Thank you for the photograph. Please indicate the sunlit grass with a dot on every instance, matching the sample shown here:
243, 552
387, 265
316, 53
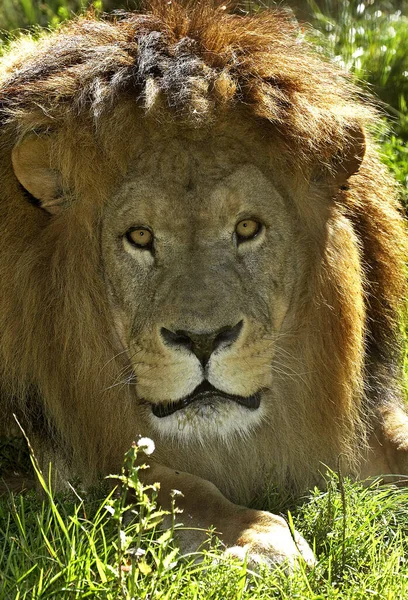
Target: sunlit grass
67, 547
59, 546
370, 39
15, 14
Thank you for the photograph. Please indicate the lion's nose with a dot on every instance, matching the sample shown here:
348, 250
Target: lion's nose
202, 344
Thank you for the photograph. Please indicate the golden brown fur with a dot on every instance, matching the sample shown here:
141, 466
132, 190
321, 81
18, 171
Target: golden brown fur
95, 90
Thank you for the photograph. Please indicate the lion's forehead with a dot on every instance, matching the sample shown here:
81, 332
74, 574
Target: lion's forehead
194, 159
205, 182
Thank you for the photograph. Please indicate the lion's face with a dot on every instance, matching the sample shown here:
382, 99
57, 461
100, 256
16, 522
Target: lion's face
200, 262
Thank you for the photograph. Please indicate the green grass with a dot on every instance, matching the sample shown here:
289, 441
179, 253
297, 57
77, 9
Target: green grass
372, 44
67, 547
15, 14
370, 39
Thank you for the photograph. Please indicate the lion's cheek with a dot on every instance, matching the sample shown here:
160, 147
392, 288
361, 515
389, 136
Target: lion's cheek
161, 380
280, 309
243, 373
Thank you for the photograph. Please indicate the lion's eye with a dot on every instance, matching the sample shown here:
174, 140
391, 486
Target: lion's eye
247, 229
140, 237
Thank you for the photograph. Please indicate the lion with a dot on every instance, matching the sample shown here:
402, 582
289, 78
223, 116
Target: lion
199, 245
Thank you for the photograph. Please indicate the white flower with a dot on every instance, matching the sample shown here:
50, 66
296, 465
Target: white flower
136, 552
122, 536
357, 53
146, 444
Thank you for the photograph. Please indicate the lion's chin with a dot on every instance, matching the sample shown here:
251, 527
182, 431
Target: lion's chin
205, 394
211, 417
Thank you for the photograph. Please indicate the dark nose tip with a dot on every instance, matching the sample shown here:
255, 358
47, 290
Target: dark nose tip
202, 344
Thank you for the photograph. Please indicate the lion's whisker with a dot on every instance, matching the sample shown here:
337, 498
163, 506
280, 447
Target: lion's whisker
114, 357
128, 381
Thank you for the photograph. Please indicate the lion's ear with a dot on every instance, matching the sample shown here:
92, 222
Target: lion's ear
31, 164
351, 158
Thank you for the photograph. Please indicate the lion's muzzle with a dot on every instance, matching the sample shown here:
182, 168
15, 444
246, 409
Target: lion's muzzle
205, 392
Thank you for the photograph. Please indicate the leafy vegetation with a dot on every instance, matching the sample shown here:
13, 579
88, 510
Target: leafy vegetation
71, 547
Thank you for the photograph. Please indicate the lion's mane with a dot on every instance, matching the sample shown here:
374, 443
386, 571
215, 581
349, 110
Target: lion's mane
191, 62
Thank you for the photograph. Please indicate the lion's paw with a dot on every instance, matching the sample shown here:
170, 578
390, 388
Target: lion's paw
268, 540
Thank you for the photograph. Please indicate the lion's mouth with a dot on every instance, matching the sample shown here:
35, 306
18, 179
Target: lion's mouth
205, 391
